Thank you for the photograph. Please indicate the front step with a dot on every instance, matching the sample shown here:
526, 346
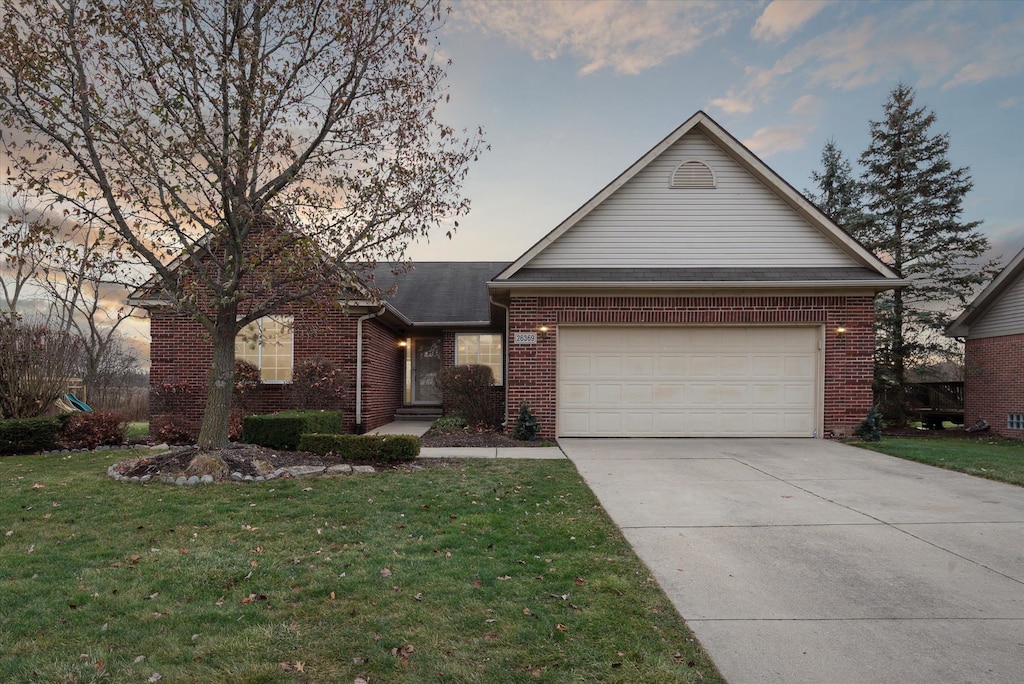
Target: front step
421, 413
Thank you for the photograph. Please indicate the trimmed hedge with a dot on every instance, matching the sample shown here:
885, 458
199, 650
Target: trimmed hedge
29, 435
389, 448
90, 430
284, 430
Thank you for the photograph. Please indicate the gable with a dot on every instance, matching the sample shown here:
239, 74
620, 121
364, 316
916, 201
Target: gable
737, 223
669, 213
1005, 314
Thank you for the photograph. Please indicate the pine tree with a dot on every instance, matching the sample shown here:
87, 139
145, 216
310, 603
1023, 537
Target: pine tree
839, 194
913, 200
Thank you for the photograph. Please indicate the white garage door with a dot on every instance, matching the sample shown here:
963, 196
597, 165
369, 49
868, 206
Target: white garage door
688, 382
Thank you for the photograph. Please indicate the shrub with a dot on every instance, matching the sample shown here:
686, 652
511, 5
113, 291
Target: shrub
467, 391
247, 380
527, 425
35, 364
90, 430
870, 429
172, 429
451, 422
283, 430
318, 384
387, 448
29, 435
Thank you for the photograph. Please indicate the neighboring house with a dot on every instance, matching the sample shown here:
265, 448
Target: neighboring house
992, 327
698, 294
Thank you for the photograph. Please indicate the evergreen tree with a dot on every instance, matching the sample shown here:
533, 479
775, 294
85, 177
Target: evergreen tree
839, 194
913, 200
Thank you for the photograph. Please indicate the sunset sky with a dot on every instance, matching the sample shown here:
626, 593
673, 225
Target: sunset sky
571, 93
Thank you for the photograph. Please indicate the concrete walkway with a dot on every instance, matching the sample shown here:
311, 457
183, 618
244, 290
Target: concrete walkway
417, 428
812, 561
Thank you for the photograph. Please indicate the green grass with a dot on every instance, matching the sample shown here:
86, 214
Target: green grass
135, 430
491, 571
994, 459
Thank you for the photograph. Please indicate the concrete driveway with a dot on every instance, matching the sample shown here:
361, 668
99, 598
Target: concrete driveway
810, 561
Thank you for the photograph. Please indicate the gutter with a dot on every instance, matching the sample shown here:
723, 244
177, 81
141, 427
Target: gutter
504, 361
359, 367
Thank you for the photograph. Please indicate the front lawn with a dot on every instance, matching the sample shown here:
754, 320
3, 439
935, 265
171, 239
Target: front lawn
482, 571
996, 459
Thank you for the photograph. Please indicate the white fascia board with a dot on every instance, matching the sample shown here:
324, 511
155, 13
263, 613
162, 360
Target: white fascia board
377, 304
987, 297
879, 285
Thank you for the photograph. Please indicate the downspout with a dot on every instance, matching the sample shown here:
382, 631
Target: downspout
504, 365
359, 368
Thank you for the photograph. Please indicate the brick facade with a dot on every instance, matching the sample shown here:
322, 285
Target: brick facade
532, 373
181, 354
994, 381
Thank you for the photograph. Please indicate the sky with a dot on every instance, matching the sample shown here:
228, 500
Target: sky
572, 93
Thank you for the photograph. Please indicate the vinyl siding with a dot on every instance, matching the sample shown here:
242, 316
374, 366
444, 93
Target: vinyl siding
1005, 316
740, 223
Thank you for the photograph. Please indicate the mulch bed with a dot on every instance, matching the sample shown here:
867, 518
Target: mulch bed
242, 458
468, 438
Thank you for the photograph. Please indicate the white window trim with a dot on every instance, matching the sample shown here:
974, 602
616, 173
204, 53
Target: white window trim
286, 321
499, 380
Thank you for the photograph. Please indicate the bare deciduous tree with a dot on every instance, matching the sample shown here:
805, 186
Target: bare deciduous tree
241, 153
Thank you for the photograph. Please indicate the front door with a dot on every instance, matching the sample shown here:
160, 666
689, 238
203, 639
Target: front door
425, 355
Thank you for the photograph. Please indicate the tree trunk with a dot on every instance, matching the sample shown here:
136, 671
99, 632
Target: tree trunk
213, 434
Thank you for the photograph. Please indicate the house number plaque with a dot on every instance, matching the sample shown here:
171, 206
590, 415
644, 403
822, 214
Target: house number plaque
525, 338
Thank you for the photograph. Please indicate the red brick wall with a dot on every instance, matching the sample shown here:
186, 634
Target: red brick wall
181, 352
994, 381
848, 358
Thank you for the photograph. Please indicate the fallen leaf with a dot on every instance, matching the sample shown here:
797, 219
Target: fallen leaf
184, 551
506, 577
254, 564
134, 558
332, 595
561, 628
9, 533
360, 680
38, 485
418, 597
526, 611
580, 582
155, 677
385, 573
32, 549
448, 554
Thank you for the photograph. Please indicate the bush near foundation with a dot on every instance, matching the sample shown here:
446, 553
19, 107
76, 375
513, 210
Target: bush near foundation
385, 448
284, 430
90, 430
467, 391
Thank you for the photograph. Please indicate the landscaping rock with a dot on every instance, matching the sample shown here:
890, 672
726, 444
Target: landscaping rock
180, 480
339, 469
237, 477
304, 470
363, 469
206, 479
192, 480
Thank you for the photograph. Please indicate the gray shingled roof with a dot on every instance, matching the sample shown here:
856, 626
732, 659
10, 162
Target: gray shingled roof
441, 291
682, 275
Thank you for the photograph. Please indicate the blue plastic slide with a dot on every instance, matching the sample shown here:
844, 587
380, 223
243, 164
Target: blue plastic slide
77, 403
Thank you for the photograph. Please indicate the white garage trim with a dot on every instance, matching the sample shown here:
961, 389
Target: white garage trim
690, 381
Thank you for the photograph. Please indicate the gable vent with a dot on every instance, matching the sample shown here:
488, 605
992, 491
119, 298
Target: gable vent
693, 174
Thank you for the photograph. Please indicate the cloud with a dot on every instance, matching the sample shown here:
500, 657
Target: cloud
625, 36
807, 105
782, 18
767, 141
922, 43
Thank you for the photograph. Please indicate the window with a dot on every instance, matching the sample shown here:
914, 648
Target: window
484, 350
1015, 421
267, 344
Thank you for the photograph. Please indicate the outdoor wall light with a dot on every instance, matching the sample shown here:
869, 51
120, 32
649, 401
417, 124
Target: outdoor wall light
840, 329
543, 328
403, 343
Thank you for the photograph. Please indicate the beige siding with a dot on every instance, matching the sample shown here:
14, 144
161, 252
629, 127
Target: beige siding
739, 223
1005, 316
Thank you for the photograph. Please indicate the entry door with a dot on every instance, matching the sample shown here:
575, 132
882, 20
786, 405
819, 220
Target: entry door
426, 362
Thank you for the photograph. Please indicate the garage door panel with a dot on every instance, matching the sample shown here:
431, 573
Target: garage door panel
688, 381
